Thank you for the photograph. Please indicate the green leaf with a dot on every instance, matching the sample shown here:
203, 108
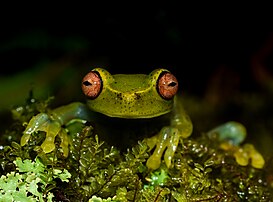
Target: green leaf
10, 182
24, 166
33, 188
22, 197
62, 174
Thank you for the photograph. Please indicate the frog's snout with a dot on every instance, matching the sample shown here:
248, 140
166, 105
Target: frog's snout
128, 97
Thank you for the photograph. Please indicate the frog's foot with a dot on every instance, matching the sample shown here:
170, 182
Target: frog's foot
233, 132
167, 139
246, 153
42, 122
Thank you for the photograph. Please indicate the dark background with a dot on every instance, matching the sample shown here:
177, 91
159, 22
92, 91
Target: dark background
127, 40
221, 57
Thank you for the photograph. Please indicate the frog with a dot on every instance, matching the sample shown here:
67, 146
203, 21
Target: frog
122, 105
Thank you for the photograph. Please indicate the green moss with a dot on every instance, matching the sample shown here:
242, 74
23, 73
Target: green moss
30, 181
201, 169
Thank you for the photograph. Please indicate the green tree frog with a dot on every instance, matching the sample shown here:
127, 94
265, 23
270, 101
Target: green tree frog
122, 105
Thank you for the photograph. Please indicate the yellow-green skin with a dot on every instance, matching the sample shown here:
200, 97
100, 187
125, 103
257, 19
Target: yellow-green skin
126, 96
130, 96
233, 134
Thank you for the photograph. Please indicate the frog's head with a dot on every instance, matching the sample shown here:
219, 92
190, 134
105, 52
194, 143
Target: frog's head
130, 95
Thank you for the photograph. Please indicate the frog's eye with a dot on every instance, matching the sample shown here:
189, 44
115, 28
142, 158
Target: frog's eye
167, 85
92, 84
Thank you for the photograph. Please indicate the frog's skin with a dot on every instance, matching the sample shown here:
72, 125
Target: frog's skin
124, 100
232, 134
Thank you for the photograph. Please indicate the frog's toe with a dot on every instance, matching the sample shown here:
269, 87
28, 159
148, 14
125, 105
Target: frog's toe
37, 123
48, 145
154, 161
257, 160
167, 139
52, 128
248, 152
64, 142
160, 142
241, 157
42, 122
172, 146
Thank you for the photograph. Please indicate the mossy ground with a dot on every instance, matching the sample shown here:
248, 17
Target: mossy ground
201, 170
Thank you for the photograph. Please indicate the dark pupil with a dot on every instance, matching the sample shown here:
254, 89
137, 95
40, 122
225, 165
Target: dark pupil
172, 84
87, 83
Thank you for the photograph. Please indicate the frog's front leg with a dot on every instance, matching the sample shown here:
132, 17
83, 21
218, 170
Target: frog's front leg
168, 138
51, 123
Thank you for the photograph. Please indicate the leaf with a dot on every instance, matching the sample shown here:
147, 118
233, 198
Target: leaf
10, 182
24, 166
33, 188
62, 174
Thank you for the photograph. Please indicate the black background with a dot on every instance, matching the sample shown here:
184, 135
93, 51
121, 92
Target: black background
191, 41
209, 48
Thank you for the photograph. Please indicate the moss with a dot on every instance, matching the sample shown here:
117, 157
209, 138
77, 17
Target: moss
201, 169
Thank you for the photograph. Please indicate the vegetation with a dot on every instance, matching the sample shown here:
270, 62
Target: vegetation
95, 171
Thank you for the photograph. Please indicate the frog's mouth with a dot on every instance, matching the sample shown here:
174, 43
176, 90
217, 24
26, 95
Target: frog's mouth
136, 114
131, 107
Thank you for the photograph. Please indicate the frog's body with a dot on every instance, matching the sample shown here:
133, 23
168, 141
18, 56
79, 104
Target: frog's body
124, 107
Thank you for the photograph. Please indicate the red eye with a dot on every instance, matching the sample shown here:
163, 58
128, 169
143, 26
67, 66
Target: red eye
167, 85
92, 85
